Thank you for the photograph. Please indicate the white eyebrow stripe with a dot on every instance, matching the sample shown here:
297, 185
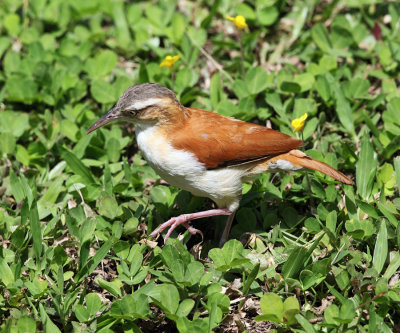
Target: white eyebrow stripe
144, 104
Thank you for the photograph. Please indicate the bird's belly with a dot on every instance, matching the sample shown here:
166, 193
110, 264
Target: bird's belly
182, 169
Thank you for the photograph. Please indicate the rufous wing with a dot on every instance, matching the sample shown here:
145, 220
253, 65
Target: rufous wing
217, 140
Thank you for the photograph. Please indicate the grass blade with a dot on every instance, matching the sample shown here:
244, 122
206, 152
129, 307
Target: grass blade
381, 247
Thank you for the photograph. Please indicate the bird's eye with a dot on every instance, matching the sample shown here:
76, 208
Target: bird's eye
133, 112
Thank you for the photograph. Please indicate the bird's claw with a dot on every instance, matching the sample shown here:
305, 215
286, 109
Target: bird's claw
172, 224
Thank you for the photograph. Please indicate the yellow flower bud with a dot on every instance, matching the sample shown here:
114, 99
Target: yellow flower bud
169, 61
298, 123
239, 21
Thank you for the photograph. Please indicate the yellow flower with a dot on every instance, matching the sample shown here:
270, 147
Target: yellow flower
298, 123
170, 61
239, 21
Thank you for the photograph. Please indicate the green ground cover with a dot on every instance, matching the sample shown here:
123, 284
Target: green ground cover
75, 209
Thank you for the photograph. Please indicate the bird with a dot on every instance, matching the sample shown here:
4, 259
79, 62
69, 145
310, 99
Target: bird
205, 153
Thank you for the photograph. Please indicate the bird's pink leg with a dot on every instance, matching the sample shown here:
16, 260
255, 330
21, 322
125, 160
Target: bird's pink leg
184, 218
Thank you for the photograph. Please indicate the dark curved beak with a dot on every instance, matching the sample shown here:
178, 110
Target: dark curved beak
107, 118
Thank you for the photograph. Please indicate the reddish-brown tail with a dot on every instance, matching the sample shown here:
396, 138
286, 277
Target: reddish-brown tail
300, 160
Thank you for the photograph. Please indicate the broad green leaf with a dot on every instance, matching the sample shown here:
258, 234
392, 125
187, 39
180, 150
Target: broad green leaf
81, 313
102, 64
347, 312
366, 168
272, 308
26, 324
343, 109
331, 314
93, 303
113, 287
130, 307
7, 143
198, 325
256, 80
319, 34
6, 274
22, 90
113, 149
108, 207
185, 307
12, 24
194, 272
267, 16
381, 247
102, 92
168, 298
291, 308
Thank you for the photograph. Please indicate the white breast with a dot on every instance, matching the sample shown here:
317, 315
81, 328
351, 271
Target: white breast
182, 169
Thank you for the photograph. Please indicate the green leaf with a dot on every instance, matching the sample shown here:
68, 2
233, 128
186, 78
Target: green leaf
347, 312
108, 207
46, 321
397, 169
6, 274
93, 303
393, 266
113, 287
291, 308
185, 307
77, 166
102, 64
12, 24
168, 298
267, 16
330, 315
250, 278
81, 313
16, 187
130, 307
385, 174
319, 34
343, 108
381, 247
305, 324
198, 325
194, 272
295, 262
113, 148
22, 90
272, 308
96, 259
229, 256
256, 80
36, 230
7, 143
26, 324
366, 168
102, 92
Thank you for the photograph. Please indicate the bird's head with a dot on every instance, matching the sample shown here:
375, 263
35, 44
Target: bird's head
143, 103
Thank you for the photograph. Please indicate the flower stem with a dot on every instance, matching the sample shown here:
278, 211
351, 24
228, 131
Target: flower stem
308, 181
241, 54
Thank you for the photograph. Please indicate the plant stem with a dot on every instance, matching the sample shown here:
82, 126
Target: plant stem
308, 182
241, 54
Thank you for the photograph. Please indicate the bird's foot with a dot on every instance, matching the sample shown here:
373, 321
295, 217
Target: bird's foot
172, 223
183, 219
